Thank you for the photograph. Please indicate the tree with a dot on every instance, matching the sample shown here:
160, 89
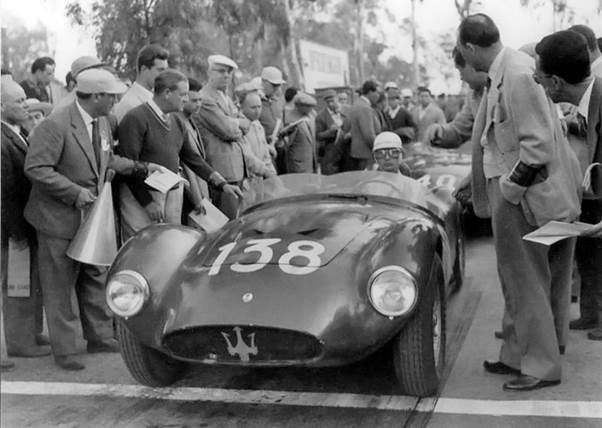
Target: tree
21, 46
463, 7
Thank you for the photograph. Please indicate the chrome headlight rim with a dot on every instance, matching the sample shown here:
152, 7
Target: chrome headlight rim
141, 284
404, 272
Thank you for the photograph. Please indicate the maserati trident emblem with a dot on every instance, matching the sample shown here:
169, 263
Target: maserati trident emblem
247, 297
241, 349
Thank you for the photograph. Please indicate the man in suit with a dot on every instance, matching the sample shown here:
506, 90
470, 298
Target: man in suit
400, 119
329, 135
69, 154
364, 125
38, 85
563, 69
426, 113
593, 50
300, 149
222, 127
529, 176
151, 60
22, 314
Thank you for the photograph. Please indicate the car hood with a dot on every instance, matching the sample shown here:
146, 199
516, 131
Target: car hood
328, 221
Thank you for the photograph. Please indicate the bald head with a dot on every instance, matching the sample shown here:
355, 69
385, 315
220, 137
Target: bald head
251, 105
14, 106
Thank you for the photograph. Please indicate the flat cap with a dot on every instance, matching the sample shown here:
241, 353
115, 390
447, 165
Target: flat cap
222, 60
330, 93
406, 92
303, 99
386, 140
83, 63
272, 75
98, 81
391, 85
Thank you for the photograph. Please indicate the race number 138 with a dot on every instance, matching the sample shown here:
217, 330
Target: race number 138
308, 250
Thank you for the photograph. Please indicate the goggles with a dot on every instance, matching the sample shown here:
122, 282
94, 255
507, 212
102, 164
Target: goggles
391, 153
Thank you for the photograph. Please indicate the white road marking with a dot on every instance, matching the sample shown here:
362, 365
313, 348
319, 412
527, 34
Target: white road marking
545, 408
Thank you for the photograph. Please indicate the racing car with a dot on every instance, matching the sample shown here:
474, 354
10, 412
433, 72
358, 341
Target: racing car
316, 271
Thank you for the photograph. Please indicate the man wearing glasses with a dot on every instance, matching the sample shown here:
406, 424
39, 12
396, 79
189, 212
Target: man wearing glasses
387, 154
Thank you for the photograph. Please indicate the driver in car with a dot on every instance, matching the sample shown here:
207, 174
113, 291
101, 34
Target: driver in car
387, 154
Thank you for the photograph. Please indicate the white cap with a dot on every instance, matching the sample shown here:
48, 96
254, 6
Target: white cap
222, 60
391, 85
98, 81
84, 63
272, 75
386, 140
406, 92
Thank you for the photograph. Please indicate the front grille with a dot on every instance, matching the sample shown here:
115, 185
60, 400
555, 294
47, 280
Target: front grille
242, 345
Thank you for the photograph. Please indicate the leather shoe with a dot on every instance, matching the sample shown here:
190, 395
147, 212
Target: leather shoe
42, 339
31, 352
595, 334
528, 383
68, 362
497, 367
498, 334
111, 345
583, 324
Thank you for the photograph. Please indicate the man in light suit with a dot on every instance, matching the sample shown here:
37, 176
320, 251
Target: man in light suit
363, 124
69, 154
529, 176
300, 150
222, 127
563, 69
426, 113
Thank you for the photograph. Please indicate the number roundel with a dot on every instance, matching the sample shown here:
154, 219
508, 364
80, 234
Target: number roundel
303, 249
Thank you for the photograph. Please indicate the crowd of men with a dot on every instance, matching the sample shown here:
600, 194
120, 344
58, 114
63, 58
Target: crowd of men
59, 146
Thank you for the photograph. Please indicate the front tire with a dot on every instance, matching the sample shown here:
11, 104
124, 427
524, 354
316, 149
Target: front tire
147, 365
419, 348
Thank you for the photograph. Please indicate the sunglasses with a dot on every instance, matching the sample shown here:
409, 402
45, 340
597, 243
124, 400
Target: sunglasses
391, 153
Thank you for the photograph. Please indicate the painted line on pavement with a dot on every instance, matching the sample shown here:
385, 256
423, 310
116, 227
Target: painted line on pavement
544, 408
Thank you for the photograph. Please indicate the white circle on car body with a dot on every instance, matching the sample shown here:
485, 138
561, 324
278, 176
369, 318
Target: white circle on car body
247, 297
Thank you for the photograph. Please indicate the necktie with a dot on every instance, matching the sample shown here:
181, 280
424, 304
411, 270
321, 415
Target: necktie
96, 141
582, 125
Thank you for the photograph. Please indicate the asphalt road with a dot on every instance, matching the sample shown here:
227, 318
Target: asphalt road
37, 394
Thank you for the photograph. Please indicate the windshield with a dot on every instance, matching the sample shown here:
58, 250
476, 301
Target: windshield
367, 183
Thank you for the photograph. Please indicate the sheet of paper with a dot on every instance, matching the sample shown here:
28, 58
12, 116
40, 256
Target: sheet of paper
212, 220
163, 181
555, 231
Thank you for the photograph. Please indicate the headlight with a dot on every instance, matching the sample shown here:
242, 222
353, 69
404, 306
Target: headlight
392, 291
126, 293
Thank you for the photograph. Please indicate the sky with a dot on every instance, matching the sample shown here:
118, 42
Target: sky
518, 25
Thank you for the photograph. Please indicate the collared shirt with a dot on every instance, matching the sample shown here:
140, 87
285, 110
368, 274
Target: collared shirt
157, 110
17, 130
583, 107
88, 120
596, 67
363, 97
393, 113
336, 117
134, 96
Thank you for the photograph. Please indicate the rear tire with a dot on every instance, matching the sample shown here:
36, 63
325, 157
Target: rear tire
419, 348
147, 365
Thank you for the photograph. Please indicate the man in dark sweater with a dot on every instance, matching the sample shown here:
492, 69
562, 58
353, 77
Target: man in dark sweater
149, 133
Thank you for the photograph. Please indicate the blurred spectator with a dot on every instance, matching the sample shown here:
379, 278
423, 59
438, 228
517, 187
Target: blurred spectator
151, 60
593, 50
426, 113
22, 313
289, 96
255, 146
330, 138
222, 127
37, 86
77, 66
364, 125
400, 119
273, 110
343, 99
70, 82
301, 156
380, 107
37, 112
407, 99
